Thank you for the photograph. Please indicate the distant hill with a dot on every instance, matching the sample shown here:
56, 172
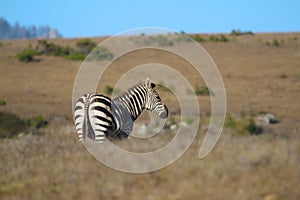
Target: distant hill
16, 31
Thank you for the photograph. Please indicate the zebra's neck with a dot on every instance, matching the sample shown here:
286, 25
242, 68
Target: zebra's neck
134, 100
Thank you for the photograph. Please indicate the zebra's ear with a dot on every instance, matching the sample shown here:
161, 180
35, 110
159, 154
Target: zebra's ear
149, 83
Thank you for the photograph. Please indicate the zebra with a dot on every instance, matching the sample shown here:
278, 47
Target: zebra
99, 117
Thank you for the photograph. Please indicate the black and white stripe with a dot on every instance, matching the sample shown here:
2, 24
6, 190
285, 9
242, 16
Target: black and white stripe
98, 117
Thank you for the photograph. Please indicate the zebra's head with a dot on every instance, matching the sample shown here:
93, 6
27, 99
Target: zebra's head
153, 101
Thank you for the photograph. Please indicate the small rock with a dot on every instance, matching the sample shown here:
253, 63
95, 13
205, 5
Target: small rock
268, 119
173, 127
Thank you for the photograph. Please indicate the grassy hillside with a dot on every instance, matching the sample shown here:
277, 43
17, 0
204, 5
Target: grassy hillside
261, 74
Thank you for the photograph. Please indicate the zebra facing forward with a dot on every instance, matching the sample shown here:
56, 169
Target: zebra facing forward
98, 116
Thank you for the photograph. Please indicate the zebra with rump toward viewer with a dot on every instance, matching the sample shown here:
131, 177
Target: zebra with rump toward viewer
99, 116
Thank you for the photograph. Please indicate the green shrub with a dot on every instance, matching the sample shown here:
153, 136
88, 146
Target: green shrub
223, 38
36, 122
202, 90
243, 126
182, 38
253, 129
164, 41
230, 122
2, 102
213, 38
108, 90
198, 38
45, 48
85, 45
11, 125
275, 43
235, 32
100, 53
160, 40
27, 55
76, 56
1, 44
239, 32
267, 43
188, 120
293, 38
171, 121
85, 42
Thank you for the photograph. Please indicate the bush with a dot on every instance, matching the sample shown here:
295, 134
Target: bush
213, 38
36, 122
223, 38
276, 43
188, 120
108, 90
1, 44
45, 48
2, 102
164, 41
76, 56
11, 125
100, 53
202, 90
85, 45
243, 126
171, 121
239, 32
267, 43
253, 129
182, 38
230, 122
198, 38
160, 40
27, 55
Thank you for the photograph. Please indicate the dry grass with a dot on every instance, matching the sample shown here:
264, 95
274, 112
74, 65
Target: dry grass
55, 164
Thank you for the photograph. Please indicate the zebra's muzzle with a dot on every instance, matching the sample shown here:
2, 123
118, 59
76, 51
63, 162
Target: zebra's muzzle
164, 114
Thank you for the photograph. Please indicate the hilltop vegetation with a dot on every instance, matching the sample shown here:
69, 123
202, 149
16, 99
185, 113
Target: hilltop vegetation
84, 47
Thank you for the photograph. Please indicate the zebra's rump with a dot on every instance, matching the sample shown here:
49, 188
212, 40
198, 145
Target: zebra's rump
80, 115
100, 116
93, 116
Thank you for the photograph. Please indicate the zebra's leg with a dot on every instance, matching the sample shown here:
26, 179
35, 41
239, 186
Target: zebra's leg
97, 132
123, 135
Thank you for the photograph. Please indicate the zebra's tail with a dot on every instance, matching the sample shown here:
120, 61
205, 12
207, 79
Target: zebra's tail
80, 116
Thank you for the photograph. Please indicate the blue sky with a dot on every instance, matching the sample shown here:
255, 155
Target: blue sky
96, 18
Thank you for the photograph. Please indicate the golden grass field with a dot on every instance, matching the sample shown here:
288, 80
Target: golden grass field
55, 165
